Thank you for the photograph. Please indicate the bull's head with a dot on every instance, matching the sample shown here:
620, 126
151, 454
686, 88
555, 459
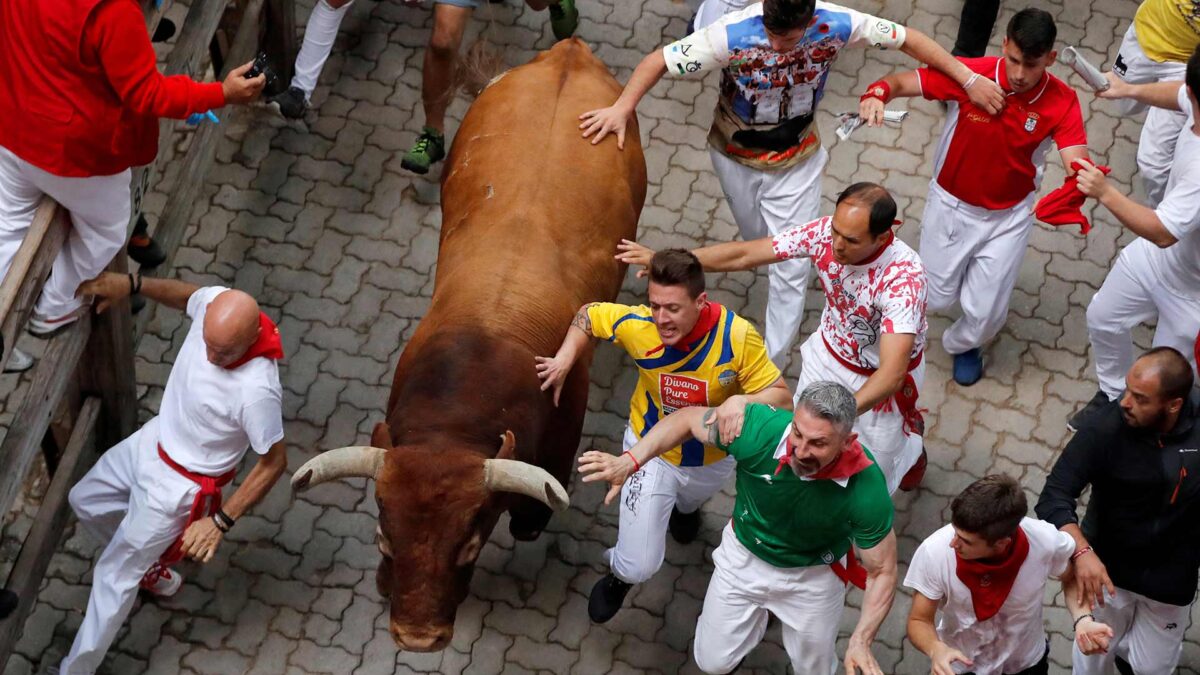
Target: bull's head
436, 510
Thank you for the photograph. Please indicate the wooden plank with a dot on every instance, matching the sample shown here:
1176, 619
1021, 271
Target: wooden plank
109, 373
29, 270
279, 38
191, 45
50, 379
196, 162
25, 579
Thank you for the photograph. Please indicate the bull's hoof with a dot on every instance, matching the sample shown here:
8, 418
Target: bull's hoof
522, 532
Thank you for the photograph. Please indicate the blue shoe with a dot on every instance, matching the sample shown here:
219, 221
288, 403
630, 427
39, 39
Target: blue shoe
968, 367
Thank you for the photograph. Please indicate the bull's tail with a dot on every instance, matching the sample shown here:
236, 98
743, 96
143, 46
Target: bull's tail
481, 64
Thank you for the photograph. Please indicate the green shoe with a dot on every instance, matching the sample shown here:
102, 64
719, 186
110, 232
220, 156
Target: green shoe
564, 19
429, 148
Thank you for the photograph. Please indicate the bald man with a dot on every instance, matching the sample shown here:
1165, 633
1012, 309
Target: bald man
155, 497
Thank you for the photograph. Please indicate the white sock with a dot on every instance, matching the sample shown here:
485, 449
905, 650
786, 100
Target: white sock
318, 43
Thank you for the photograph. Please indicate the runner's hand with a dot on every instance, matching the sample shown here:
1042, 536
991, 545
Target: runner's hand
238, 89
1117, 88
730, 416
943, 657
860, 659
106, 288
870, 110
200, 540
1092, 636
1093, 580
553, 373
1090, 180
605, 121
986, 95
632, 253
614, 469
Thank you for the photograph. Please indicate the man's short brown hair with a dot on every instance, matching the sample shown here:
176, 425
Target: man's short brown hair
991, 507
677, 267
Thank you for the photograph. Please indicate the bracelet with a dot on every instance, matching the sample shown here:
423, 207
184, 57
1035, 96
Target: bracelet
220, 526
1082, 551
138, 288
1075, 626
879, 89
223, 519
636, 466
970, 81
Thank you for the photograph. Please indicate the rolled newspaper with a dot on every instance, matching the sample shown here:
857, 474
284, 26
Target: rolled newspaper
850, 122
1089, 72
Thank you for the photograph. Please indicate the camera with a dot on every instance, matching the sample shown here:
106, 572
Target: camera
262, 66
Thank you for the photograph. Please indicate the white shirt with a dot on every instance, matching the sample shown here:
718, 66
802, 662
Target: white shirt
862, 302
1015, 638
1178, 266
210, 415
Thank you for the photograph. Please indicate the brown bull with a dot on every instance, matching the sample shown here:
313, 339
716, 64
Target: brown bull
531, 215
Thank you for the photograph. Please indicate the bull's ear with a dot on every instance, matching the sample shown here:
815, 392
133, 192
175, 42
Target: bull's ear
381, 436
508, 445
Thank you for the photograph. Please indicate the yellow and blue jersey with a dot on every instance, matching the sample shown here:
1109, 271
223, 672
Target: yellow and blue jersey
731, 359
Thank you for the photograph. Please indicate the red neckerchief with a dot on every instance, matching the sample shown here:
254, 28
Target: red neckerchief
709, 316
991, 582
848, 463
267, 345
891, 236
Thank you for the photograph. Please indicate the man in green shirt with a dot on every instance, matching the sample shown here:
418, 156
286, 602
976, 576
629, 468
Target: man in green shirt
806, 491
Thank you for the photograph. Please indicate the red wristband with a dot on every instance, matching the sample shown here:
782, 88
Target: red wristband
636, 466
1082, 551
879, 89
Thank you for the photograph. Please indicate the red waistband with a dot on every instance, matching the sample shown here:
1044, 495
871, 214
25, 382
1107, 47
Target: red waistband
198, 478
861, 370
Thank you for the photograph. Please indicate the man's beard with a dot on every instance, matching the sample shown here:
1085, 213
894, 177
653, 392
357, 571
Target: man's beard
804, 467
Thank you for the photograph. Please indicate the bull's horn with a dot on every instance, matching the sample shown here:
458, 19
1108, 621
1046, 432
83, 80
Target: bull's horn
510, 475
356, 461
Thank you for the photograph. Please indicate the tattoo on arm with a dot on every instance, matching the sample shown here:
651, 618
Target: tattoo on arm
582, 320
710, 425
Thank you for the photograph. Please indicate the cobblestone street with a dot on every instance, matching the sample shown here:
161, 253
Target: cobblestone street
320, 223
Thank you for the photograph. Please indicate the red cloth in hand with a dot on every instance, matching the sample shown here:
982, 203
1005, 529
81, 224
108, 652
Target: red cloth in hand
1063, 206
991, 582
267, 345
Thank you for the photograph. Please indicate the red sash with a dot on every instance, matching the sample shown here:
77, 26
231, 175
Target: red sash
267, 345
207, 502
990, 583
905, 399
852, 572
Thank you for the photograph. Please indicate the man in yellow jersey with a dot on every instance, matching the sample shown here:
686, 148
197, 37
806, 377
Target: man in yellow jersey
1156, 47
689, 352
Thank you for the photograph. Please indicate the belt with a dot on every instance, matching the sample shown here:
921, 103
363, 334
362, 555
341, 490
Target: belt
905, 399
206, 503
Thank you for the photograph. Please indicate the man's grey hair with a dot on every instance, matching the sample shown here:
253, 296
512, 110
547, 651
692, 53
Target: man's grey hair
830, 401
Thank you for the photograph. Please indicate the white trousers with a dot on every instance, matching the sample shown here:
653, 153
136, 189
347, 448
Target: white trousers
1156, 147
1146, 633
138, 505
744, 589
894, 449
319, 36
972, 256
1132, 295
646, 502
711, 10
764, 203
100, 210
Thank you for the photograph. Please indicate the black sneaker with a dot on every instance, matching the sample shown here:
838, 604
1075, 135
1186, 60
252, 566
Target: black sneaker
8, 602
607, 596
684, 526
292, 103
165, 30
1080, 419
142, 248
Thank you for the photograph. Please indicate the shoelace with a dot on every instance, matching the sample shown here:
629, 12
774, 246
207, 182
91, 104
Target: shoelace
422, 144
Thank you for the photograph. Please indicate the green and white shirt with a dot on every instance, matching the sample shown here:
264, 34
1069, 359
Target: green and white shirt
789, 521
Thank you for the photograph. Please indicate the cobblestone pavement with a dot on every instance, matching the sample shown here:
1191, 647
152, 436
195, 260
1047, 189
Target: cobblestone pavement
338, 243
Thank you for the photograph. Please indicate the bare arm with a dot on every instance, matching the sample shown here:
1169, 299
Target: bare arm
922, 632
1069, 155
776, 394
1139, 219
170, 292
904, 85
880, 563
1091, 636
894, 352
735, 256
110, 287
983, 92
553, 371
1158, 94
615, 118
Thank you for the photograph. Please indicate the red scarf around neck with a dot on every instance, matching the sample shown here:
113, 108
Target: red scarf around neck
709, 316
991, 582
848, 463
268, 344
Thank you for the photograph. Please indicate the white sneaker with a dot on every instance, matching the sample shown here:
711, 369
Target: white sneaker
43, 326
18, 362
167, 585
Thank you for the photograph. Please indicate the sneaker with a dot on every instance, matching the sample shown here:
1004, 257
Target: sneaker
8, 602
429, 148
164, 31
18, 362
607, 596
46, 327
167, 585
142, 248
684, 526
293, 104
564, 19
968, 367
912, 479
1080, 418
